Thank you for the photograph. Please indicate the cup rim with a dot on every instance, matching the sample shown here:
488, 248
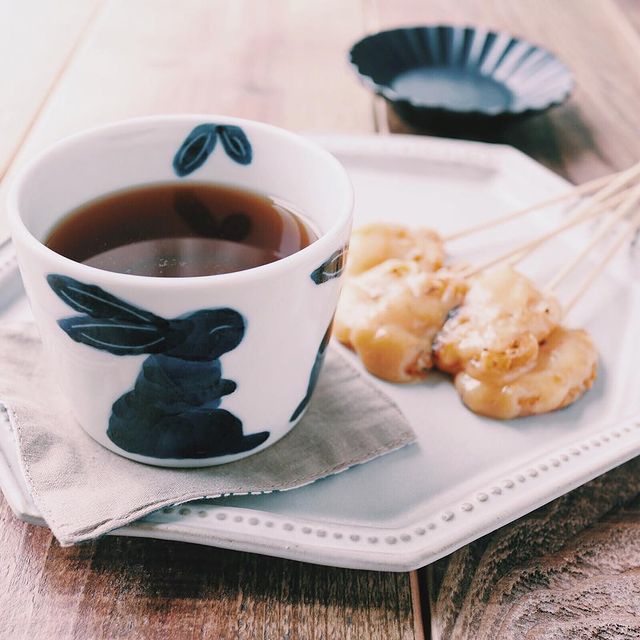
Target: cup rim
324, 244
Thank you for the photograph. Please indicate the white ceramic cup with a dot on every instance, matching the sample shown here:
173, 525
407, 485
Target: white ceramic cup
196, 371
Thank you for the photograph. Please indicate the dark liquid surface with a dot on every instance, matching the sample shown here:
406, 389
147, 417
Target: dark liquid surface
177, 230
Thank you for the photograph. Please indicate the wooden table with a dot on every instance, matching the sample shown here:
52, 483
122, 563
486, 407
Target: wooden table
570, 570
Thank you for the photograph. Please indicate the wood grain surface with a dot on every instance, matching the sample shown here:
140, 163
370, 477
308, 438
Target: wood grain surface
137, 588
571, 570
270, 61
596, 131
33, 54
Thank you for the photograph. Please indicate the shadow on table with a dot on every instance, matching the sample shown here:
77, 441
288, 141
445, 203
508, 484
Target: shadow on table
156, 588
557, 139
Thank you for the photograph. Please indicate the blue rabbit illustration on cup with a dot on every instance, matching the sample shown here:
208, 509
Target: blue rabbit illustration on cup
173, 410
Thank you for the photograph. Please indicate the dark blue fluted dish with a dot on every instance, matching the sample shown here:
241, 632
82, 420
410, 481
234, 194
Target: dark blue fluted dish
455, 74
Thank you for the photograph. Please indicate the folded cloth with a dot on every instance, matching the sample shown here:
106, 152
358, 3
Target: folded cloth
84, 490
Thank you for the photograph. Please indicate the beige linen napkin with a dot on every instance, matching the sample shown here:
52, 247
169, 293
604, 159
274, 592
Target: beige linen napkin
83, 490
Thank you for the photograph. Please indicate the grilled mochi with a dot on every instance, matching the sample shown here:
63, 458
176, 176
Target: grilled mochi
494, 336
390, 314
566, 367
372, 244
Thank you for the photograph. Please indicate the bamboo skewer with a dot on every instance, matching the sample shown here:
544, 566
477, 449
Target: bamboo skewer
618, 180
625, 207
524, 249
603, 200
610, 193
494, 222
622, 237
604, 206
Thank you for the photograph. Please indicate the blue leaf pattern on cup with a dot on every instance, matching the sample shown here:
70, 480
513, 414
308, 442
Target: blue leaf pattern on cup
314, 375
331, 268
173, 409
201, 142
195, 150
235, 143
94, 301
115, 336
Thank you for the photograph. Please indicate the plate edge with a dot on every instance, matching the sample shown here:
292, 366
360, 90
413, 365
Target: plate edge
394, 559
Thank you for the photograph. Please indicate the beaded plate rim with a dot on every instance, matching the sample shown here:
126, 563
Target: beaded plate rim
402, 548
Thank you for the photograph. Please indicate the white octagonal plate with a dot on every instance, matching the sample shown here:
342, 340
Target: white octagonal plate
467, 475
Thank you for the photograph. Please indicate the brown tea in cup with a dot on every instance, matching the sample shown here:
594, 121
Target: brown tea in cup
176, 230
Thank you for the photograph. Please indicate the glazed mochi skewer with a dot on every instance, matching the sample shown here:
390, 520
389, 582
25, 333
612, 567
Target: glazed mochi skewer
565, 362
391, 312
494, 335
397, 297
